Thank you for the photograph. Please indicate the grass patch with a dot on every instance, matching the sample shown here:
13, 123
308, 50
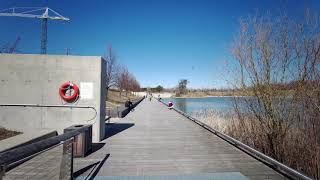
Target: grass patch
115, 99
4, 133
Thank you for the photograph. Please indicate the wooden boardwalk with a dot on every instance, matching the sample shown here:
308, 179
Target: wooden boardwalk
153, 140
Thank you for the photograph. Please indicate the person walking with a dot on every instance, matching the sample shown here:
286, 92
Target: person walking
170, 105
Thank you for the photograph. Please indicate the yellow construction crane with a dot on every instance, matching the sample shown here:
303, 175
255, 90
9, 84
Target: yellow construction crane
28, 12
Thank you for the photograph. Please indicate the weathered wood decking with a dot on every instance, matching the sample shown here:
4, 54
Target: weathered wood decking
153, 140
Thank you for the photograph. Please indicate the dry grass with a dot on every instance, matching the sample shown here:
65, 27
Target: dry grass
298, 149
114, 98
213, 118
200, 94
4, 133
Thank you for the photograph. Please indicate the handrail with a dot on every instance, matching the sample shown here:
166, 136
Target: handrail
20, 161
39, 105
55, 106
285, 170
11, 156
126, 110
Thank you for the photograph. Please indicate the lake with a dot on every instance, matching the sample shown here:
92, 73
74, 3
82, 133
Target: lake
195, 105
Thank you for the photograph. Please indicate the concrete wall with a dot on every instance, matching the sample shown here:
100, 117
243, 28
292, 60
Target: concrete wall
35, 79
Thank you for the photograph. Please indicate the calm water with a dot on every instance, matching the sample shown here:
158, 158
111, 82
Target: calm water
194, 105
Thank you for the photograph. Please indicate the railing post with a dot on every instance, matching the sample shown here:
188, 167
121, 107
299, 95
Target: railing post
118, 111
66, 166
2, 171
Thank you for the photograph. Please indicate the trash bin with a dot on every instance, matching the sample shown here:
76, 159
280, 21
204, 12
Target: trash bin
83, 142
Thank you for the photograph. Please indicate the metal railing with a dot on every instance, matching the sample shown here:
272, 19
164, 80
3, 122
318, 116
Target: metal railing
54, 106
276, 165
50, 157
121, 111
128, 109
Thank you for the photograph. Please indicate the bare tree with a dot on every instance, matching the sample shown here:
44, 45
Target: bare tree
182, 87
122, 79
133, 83
126, 81
278, 67
159, 88
111, 69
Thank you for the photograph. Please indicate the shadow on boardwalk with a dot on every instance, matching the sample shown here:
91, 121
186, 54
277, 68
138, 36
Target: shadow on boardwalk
90, 171
112, 129
96, 147
95, 168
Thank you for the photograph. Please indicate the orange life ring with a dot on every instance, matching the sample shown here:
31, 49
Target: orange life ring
68, 86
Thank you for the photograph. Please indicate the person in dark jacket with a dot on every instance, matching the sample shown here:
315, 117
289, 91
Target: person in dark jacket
128, 104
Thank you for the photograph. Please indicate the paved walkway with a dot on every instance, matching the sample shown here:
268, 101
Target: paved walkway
153, 140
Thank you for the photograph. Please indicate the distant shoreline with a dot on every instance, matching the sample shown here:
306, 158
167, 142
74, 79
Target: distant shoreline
192, 97
225, 94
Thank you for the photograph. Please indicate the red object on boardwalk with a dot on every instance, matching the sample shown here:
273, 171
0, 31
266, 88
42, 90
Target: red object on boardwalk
170, 104
69, 86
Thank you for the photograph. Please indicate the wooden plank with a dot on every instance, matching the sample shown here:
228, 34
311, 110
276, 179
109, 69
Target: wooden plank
162, 142
201, 176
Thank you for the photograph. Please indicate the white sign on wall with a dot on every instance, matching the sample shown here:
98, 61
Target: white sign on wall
86, 90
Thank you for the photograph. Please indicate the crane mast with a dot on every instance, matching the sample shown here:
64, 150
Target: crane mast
44, 36
12, 49
29, 12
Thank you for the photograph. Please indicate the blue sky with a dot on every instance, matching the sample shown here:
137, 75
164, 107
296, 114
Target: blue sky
160, 41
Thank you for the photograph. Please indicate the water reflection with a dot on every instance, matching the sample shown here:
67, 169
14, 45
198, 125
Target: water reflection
181, 104
194, 105
224, 104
